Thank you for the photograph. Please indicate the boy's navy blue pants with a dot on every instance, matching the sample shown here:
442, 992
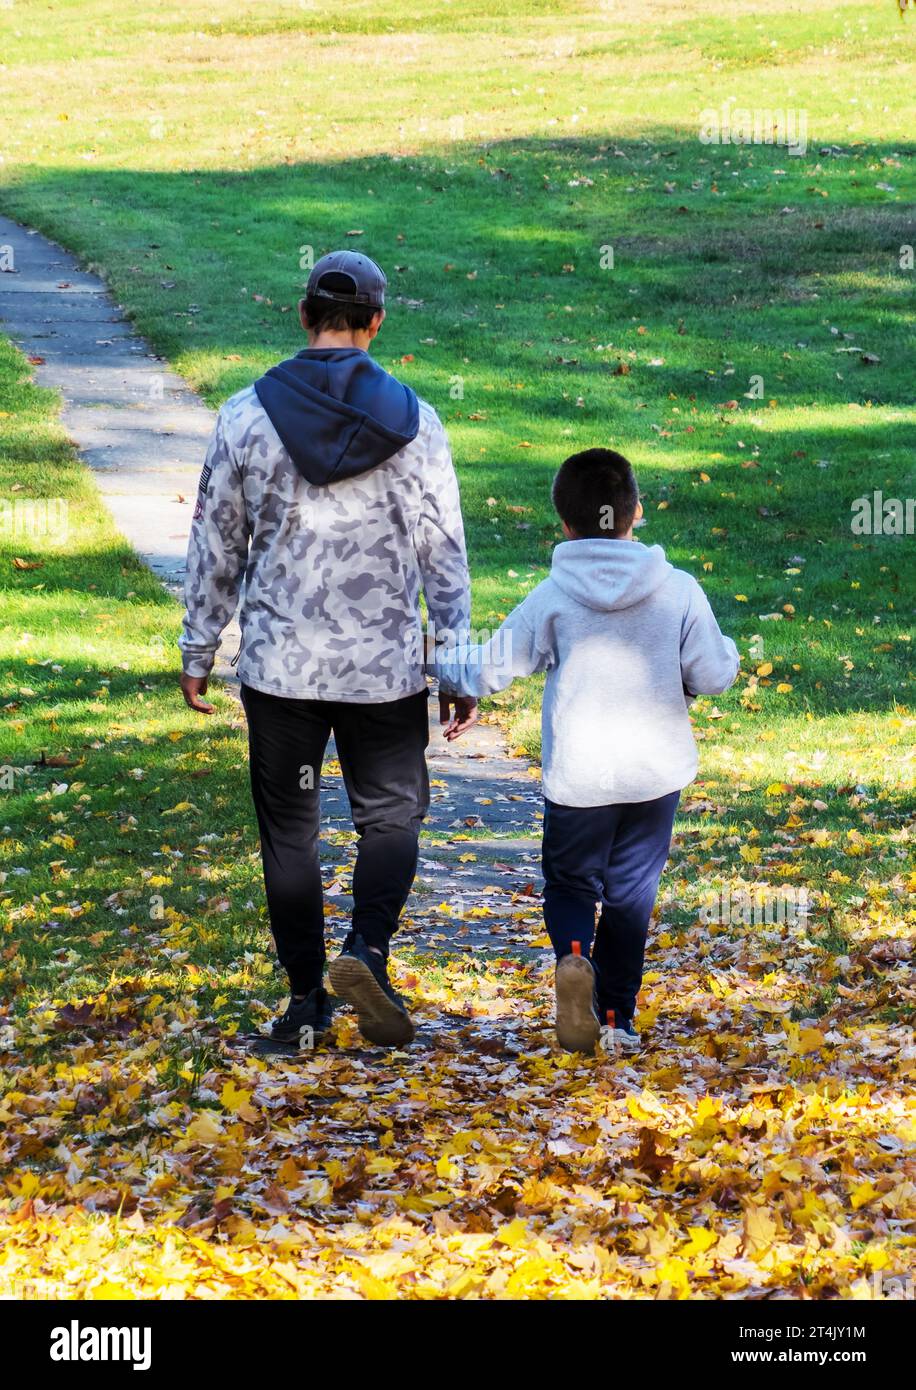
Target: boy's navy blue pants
607, 857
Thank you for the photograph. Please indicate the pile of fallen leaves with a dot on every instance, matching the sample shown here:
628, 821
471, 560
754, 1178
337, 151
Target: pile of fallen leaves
745, 1152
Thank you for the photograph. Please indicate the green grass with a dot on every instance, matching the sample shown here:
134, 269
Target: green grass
97, 748
192, 154
196, 195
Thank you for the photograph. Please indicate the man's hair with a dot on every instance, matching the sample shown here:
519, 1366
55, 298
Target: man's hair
321, 313
595, 493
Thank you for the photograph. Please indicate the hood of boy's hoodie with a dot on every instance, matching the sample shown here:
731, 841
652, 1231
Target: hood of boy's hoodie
608, 574
337, 412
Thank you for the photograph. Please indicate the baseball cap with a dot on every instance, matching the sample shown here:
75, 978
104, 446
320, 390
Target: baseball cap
366, 278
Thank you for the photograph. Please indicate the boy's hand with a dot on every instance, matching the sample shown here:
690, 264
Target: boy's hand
192, 688
464, 717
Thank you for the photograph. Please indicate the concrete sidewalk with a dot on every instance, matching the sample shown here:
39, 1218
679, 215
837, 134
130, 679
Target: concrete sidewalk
135, 422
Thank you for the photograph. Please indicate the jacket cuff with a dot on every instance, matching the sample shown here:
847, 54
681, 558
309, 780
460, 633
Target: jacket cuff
198, 665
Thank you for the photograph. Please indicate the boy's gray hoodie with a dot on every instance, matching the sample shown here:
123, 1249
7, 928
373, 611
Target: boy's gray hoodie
622, 635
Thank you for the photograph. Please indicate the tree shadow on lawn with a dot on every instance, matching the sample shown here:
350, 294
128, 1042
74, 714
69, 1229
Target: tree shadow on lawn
530, 217
205, 764
495, 254
778, 532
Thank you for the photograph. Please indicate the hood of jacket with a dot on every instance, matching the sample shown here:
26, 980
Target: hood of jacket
337, 412
609, 574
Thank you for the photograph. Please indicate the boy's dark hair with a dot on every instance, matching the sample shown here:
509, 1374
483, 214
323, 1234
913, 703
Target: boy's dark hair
595, 493
324, 313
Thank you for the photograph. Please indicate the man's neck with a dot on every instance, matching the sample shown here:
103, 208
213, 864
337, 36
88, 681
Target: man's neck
336, 338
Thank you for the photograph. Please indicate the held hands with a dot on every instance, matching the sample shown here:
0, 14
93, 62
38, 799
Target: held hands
465, 706
464, 717
192, 688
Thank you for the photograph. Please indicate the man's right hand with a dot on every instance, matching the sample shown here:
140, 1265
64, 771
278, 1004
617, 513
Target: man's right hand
192, 688
464, 717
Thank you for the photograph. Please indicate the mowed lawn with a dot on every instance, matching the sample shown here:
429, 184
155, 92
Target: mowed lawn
569, 264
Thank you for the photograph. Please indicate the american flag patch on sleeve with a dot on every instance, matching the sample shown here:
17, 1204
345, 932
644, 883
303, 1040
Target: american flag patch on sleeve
202, 490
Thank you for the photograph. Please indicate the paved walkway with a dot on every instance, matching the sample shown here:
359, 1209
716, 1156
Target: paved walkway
135, 422
143, 432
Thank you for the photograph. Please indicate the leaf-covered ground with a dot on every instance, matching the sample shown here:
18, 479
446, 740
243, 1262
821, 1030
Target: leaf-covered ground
754, 1147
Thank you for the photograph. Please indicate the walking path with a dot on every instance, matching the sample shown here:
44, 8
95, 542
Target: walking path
143, 432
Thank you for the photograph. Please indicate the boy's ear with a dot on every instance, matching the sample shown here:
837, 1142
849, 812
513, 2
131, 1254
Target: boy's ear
638, 514
568, 532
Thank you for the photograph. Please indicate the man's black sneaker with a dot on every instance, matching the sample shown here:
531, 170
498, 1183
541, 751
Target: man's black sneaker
360, 976
304, 1019
617, 1033
578, 1028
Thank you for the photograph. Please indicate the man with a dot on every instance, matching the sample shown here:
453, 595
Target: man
329, 485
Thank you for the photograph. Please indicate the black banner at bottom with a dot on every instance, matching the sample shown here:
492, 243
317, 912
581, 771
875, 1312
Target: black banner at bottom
450, 1341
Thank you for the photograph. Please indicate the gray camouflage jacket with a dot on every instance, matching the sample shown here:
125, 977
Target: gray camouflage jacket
333, 573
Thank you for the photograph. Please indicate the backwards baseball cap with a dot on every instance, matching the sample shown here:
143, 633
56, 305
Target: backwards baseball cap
348, 278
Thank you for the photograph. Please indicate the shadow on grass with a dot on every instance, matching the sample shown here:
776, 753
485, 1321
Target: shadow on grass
514, 330
101, 748
497, 288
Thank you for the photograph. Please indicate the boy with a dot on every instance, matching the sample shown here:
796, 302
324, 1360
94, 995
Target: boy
626, 641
